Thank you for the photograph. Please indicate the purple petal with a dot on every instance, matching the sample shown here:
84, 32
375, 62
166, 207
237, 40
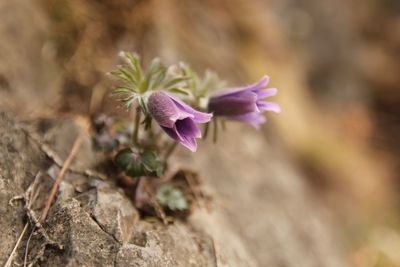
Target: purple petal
190, 143
172, 132
164, 110
258, 85
270, 106
197, 116
201, 117
253, 88
177, 119
187, 141
187, 128
232, 105
266, 93
255, 119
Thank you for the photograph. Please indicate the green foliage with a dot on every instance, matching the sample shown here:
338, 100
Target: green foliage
171, 197
136, 81
179, 91
196, 87
152, 163
201, 86
108, 145
128, 161
137, 164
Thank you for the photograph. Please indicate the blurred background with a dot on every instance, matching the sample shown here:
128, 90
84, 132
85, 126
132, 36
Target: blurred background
336, 64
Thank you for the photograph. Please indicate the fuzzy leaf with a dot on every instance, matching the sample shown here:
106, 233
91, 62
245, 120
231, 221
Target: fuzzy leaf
149, 160
122, 90
172, 197
158, 78
135, 164
152, 163
179, 91
124, 158
175, 81
134, 60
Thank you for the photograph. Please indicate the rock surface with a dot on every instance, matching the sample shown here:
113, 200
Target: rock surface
20, 160
267, 201
265, 219
97, 226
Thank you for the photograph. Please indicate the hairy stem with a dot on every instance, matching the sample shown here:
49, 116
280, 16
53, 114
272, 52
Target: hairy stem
205, 132
136, 126
215, 137
170, 150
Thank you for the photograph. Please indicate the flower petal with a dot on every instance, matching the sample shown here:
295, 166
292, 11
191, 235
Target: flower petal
164, 110
201, 117
187, 128
255, 119
232, 105
173, 133
197, 116
177, 119
187, 141
190, 143
266, 93
258, 85
270, 106
253, 88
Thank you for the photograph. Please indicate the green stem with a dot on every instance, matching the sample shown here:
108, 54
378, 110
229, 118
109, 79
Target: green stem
205, 132
136, 129
215, 137
223, 124
170, 150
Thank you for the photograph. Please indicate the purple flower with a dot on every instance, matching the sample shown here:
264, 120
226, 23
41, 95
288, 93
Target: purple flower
245, 103
177, 119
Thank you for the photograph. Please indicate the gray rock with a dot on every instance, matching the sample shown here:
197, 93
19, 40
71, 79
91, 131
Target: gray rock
20, 160
267, 201
84, 242
97, 227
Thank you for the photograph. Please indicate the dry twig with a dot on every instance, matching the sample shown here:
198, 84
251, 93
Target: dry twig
27, 246
159, 210
52, 194
190, 180
11, 257
54, 189
46, 149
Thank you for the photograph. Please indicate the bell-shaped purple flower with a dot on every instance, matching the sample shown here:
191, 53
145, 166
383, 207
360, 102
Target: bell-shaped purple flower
245, 103
177, 119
